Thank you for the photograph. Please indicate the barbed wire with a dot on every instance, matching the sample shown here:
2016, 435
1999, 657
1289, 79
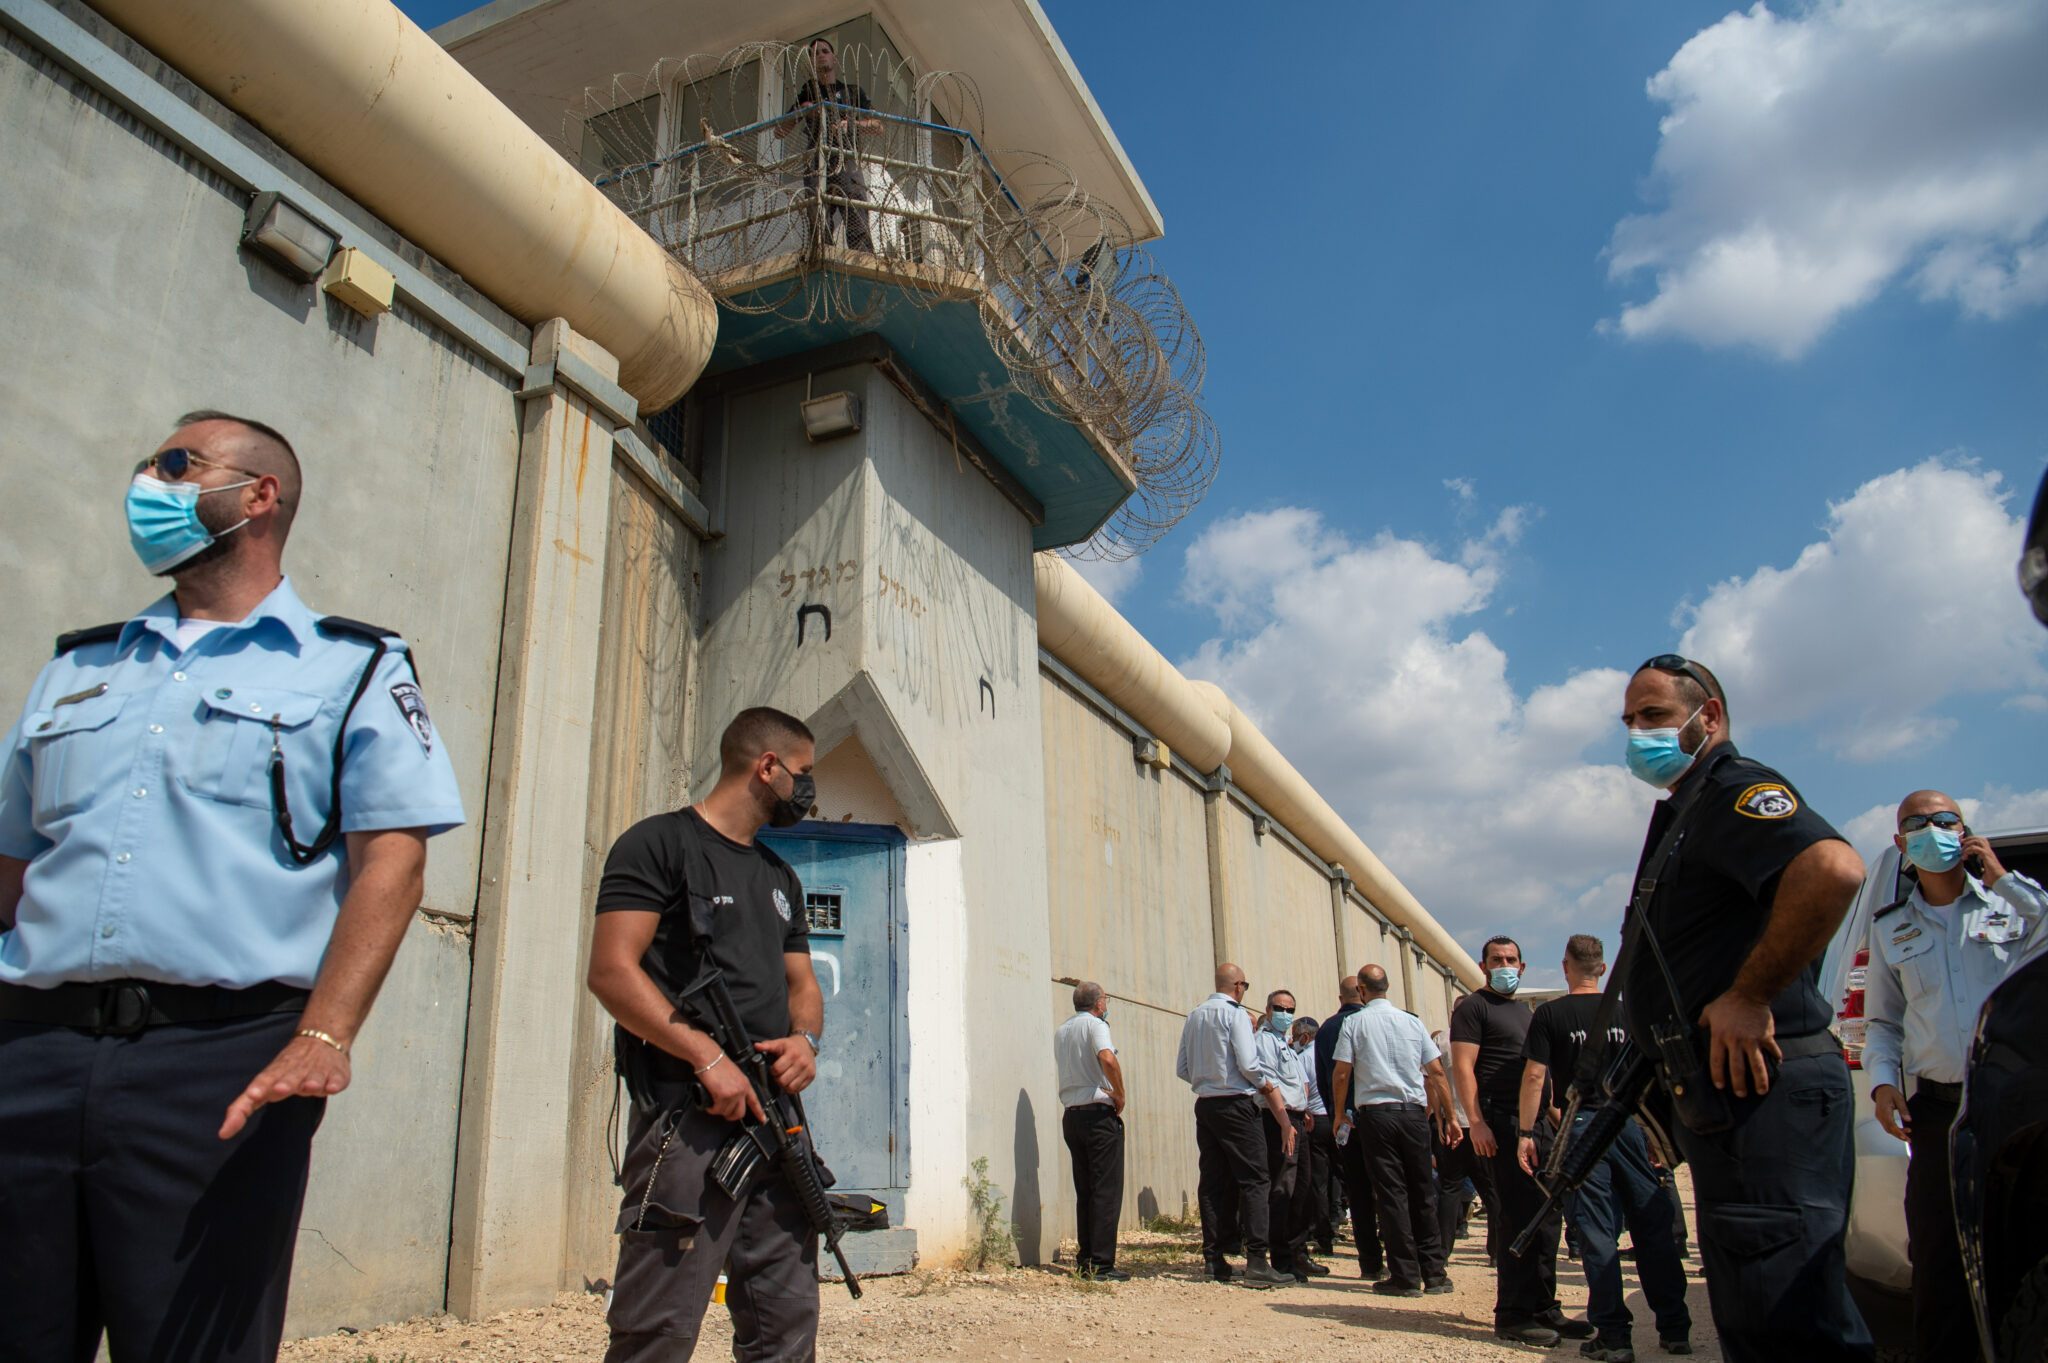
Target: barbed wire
810, 212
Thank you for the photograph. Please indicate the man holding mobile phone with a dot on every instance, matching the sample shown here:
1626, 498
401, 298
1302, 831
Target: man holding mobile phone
1935, 956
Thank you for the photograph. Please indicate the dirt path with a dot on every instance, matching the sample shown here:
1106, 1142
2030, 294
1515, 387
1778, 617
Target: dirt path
1166, 1314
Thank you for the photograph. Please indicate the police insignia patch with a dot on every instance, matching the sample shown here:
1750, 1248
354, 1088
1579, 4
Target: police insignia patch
782, 905
1767, 801
413, 706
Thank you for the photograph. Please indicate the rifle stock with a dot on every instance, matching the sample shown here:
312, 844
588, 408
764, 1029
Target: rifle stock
786, 1133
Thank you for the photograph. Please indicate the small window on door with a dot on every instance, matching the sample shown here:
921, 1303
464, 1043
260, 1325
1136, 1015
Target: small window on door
826, 911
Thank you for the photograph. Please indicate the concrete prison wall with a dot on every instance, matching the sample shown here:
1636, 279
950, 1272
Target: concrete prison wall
1157, 870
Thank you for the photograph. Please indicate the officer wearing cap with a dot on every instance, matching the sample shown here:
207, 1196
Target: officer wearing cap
1935, 956
1743, 898
213, 828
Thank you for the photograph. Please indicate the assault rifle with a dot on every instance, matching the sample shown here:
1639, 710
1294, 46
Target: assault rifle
1620, 1091
783, 1140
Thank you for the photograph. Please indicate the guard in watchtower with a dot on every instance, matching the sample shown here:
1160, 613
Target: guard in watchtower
181, 977
684, 893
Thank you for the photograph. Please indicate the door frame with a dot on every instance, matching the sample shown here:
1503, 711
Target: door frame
894, 839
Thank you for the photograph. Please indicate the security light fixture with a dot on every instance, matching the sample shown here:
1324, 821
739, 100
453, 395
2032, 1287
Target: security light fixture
283, 231
1261, 826
831, 415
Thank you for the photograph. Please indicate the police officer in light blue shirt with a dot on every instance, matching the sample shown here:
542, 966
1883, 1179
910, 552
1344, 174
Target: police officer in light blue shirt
213, 826
1935, 956
1220, 1062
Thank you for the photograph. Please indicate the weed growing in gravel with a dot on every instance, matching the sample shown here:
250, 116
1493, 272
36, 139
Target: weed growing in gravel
1166, 1224
994, 1245
1086, 1281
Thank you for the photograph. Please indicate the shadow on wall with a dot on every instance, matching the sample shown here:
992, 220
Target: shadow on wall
1148, 1204
1026, 1206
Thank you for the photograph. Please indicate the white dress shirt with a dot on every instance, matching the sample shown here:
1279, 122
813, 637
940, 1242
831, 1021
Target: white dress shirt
1316, 1106
1285, 1066
1931, 970
1386, 1049
1077, 1049
1217, 1058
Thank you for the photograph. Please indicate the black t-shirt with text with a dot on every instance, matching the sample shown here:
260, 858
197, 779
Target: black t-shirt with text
838, 123
754, 906
1713, 901
1500, 1028
1558, 1034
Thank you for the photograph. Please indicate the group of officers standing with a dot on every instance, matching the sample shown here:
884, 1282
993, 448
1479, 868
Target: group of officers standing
1740, 889
185, 967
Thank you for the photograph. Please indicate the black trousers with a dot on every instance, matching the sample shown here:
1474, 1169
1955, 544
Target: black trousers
1944, 1327
1289, 1212
1397, 1153
1624, 1190
122, 1210
845, 183
1231, 1185
677, 1232
1095, 1139
1454, 1165
1365, 1230
1773, 1200
1322, 1150
1526, 1287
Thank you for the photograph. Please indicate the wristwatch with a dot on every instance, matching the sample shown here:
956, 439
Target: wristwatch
815, 1046
1527, 1133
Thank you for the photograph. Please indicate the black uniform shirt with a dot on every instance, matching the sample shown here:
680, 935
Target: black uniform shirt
754, 906
838, 134
1500, 1027
1326, 1053
1557, 1037
1712, 902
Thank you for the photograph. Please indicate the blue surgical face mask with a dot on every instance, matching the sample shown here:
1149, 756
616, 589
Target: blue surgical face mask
1654, 755
1280, 1021
1934, 849
1504, 979
163, 521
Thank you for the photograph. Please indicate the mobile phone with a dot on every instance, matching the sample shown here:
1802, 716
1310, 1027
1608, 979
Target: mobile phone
1974, 864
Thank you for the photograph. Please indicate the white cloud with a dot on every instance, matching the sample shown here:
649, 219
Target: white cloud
1807, 160
1351, 656
1907, 601
1997, 809
1113, 579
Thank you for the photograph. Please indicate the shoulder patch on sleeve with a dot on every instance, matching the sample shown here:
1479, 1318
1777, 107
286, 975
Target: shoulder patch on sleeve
413, 706
1767, 800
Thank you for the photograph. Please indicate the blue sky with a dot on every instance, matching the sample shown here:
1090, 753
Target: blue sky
1519, 383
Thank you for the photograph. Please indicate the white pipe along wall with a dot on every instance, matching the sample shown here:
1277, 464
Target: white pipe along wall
359, 93
1199, 722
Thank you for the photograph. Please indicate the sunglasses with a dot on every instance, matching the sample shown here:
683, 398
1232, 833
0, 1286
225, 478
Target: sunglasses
173, 464
1671, 662
1946, 818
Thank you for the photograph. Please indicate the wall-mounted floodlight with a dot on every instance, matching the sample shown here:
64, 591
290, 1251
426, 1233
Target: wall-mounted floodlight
1261, 826
831, 415
282, 231
1150, 752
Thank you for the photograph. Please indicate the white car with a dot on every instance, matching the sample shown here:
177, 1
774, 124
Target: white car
1876, 1244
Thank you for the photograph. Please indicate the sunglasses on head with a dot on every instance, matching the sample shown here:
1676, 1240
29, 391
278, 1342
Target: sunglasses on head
1945, 818
173, 464
1671, 662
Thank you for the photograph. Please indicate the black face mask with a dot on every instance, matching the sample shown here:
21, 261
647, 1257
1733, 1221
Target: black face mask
803, 794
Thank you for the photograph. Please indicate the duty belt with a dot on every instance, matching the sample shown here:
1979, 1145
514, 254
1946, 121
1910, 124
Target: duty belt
1952, 1094
125, 1007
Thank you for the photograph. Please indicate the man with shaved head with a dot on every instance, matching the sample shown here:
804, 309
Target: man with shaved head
1219, 1061
213, 832
1935, 956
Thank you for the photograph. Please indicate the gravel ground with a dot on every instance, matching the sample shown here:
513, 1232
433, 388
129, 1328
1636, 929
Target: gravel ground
1167, 1314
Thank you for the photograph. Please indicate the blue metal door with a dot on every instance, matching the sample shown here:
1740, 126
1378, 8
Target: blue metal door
853, 879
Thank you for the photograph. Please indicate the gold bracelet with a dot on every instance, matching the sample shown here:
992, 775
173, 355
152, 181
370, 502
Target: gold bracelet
712, 1066
319, 1035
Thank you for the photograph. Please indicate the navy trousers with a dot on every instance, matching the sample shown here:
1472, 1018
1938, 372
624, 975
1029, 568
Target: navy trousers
1623, 1190
122, 1210
1773, 1201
